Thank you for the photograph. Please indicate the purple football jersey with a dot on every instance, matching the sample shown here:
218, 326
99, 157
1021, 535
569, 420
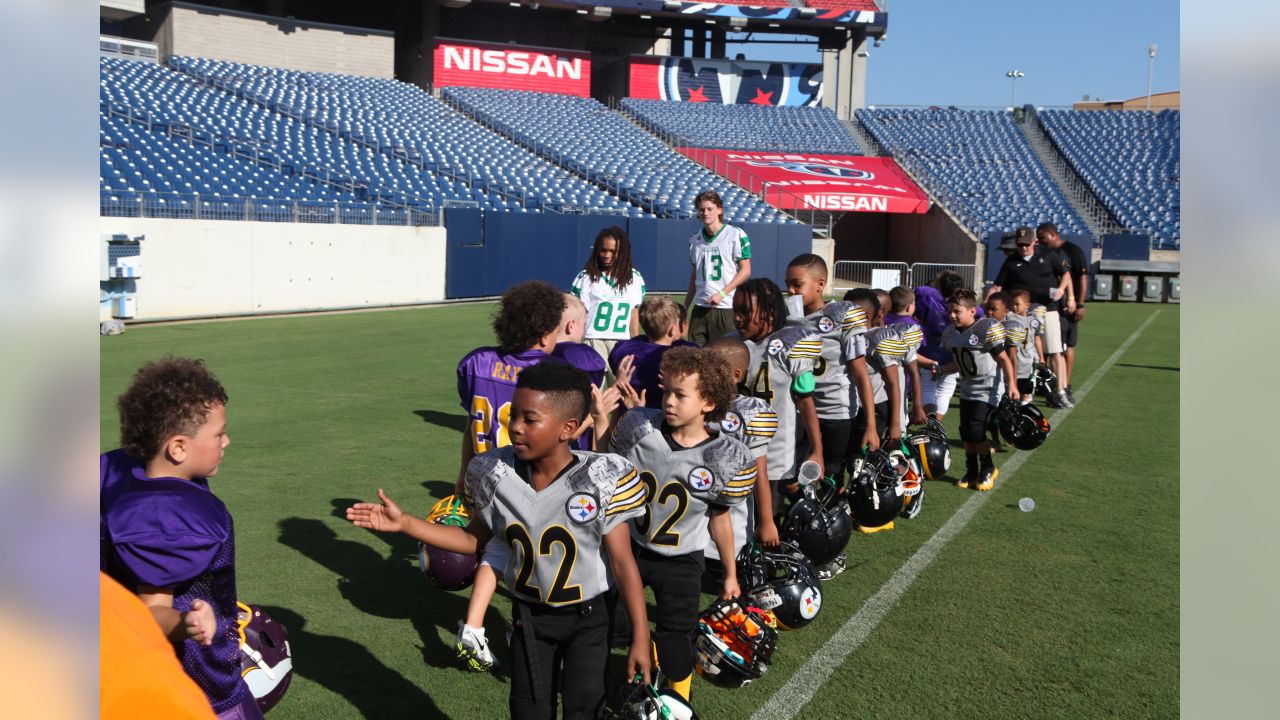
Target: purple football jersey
486, 383
646, 364
174, 533
583, 358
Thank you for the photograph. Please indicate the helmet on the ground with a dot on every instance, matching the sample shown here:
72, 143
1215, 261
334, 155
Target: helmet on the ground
820, 533
783, 583
1043, 380
638, 700
733, 644
911, 482
266, 663
875, 489
1022, 426
930, 449
447, 570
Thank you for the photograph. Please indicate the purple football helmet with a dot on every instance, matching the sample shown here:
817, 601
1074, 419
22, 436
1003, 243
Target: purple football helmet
448, 570
265, 660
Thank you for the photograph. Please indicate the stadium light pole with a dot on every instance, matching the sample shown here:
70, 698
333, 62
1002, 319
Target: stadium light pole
1013, 93
1151, 61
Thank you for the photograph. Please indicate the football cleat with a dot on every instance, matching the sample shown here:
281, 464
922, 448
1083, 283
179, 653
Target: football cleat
988, 479
970, 478
474, 648
833, 568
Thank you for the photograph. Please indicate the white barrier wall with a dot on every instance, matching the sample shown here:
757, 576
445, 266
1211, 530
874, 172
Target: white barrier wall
194, 268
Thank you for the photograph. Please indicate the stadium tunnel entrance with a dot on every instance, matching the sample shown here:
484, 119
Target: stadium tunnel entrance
931, 237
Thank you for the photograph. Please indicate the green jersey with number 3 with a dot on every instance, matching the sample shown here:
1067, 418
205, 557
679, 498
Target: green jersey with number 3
715, 261
608, 306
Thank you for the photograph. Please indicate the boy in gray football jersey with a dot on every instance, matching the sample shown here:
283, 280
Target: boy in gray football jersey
1028, 339
978, 347
842, 382
752, 422
562, 512
693, 478
890, 349
781, 374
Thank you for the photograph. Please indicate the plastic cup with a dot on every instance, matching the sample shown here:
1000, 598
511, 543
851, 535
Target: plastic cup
1026, 504
809, 472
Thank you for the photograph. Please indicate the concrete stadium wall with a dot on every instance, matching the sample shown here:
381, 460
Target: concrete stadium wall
218, 34
930, 237
193, 268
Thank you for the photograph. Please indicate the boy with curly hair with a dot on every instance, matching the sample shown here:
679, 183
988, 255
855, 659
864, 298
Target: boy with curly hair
165, 535
693, 479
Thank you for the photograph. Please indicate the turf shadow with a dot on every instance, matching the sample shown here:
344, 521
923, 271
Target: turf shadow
1150, 367
376, 690
387, 585
448, 421
438, 488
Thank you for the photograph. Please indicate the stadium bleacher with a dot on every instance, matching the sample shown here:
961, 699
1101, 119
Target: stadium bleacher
362, 142
1132, 162
606, 147
981, 160
747, 127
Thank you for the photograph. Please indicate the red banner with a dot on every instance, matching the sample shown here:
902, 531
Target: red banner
827, 182
512, 67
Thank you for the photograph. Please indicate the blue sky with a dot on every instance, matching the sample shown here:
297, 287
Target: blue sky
957, 53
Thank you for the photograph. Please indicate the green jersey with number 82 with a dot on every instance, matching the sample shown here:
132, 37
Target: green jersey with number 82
715, 261
608, 306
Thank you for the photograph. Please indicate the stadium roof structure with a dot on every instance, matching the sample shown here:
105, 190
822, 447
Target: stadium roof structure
768, 13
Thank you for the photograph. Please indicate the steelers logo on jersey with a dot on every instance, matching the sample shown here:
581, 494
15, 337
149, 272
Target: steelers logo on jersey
974, 341
775, 346
826, 324
810, 602
731, 422
700, 478
582, 508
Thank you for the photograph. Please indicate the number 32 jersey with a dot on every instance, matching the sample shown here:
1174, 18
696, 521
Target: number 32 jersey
556, 536
683, 483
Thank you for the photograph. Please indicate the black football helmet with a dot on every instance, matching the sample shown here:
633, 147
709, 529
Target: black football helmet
1022, 426
733, 644
930, 450
1043, 380
266, 663
448, 570
875, 490
640, 701
820, 533
910, 480
783, 583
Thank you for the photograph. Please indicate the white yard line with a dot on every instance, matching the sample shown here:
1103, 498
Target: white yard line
791, 698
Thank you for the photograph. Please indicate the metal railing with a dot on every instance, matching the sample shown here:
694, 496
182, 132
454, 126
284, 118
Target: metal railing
924, 273
849, 274
204, 206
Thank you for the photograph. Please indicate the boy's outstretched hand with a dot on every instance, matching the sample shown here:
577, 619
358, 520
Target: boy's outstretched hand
384, 517
199, 622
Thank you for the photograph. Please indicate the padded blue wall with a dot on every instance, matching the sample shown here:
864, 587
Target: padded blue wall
489, 252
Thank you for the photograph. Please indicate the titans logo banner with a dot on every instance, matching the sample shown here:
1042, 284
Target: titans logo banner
727, 82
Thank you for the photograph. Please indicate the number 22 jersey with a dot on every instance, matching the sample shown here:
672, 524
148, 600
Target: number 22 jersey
683, 483
556, 535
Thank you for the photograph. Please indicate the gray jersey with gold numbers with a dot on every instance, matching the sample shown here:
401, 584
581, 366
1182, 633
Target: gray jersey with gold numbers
753, 423
683, 483
1022, 331
891, 347
776, 361
556, 536
841, 326
980, 374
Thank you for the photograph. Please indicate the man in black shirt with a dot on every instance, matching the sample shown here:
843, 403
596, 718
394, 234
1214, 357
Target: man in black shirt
1075, 266
1041, 272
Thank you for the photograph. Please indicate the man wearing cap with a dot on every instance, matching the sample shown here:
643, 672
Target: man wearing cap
1041, 273
1075, 269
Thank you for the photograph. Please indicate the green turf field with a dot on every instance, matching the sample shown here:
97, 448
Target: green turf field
1070, 611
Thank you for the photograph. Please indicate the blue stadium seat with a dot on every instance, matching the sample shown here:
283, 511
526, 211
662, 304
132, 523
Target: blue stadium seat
762, 128
1132, 162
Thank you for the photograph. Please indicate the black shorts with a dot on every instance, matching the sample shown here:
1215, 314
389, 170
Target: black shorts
860, 423
974, 416
559, 648
1069, 327
677, 590
837, 446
